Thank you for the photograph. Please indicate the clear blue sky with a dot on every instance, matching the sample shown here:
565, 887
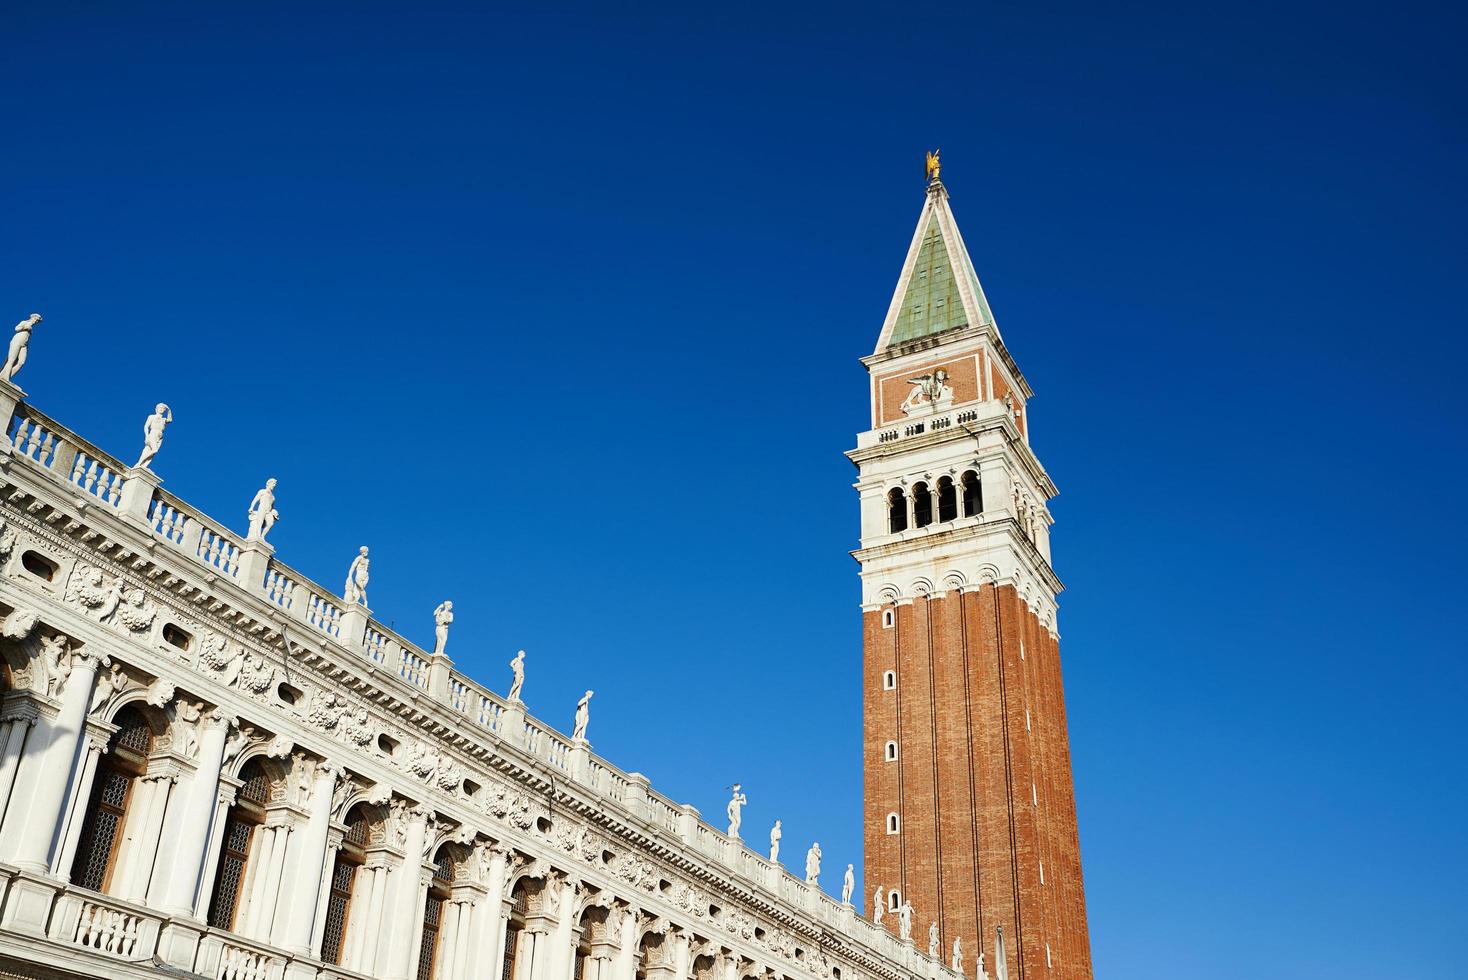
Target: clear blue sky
560, 312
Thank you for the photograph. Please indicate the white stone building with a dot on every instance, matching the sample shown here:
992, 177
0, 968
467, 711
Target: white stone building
212, 766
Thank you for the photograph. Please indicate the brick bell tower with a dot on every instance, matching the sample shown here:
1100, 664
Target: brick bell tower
970, 807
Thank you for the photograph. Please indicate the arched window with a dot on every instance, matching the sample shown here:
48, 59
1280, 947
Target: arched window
889, 680
593, 921
520, 903
894, 900
349, 857
973, 494
947, 500
890, 752
438, 894
889, 619
893, 823
125, 760
247, 813
922, 505
896, 510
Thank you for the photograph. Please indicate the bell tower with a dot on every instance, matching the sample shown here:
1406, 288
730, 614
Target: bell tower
969, 801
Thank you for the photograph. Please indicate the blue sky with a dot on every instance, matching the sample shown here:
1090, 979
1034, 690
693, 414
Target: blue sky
560, 310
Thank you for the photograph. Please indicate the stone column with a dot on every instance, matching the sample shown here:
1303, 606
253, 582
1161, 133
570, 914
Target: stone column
80, 799
563, 949
223, 800
406, 913
364, 932
328, 869
55, 758
13, 731
490, 917
197, 806
625, 965
310, 862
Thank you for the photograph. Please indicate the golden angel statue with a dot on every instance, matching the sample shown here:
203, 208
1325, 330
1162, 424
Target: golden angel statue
933, 165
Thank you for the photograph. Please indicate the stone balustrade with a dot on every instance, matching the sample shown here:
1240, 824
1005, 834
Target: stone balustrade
267, 591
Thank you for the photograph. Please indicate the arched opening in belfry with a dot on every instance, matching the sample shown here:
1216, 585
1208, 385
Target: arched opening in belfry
922, 505
973, 494
896, 510
947, 500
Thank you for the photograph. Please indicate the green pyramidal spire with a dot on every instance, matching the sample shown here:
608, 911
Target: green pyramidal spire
939, 289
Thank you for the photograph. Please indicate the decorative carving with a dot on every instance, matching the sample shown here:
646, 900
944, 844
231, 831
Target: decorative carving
443, 617
358, 727
280, 747
56, 655
112, 683
262, 512
930, 393
153, 434
326, 709
7, 539
355, 592
184, 718
20, 623
88, 589
135, 613
298, 779
19, 347
160, 692
237, 742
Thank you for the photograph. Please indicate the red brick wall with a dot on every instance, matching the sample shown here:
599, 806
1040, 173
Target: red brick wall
973, 831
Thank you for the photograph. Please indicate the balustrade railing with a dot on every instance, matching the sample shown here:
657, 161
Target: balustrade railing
72, 460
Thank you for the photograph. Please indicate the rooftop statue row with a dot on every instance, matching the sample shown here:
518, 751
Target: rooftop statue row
262, 515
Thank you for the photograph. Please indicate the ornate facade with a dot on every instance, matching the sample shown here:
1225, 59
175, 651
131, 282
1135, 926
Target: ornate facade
212, 766
969, 803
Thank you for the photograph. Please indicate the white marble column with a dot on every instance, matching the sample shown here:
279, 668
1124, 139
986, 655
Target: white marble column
197, 803
489, 919
223, 800
563, 947
310, 862
364, 932
81, 798
625, 966
37, 834
143, 831
406, 914
13, 731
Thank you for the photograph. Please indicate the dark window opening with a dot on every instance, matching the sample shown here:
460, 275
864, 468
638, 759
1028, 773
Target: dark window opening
947, 500
973, 494
922, 505
896, 511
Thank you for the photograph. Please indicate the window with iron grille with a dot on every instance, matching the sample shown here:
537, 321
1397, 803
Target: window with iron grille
234, 857
247, 813
338, 905
123, 761
428, 947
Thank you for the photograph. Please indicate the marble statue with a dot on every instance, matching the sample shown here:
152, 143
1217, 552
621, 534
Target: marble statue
355, 591
263, 514
517, 667
19, 346
879, 905
443, 617
930, 393
957, 960
736, 817
848, 885
933, 941
904, 921
153, 434
775, 835
813, 864
981, 974
583, 715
